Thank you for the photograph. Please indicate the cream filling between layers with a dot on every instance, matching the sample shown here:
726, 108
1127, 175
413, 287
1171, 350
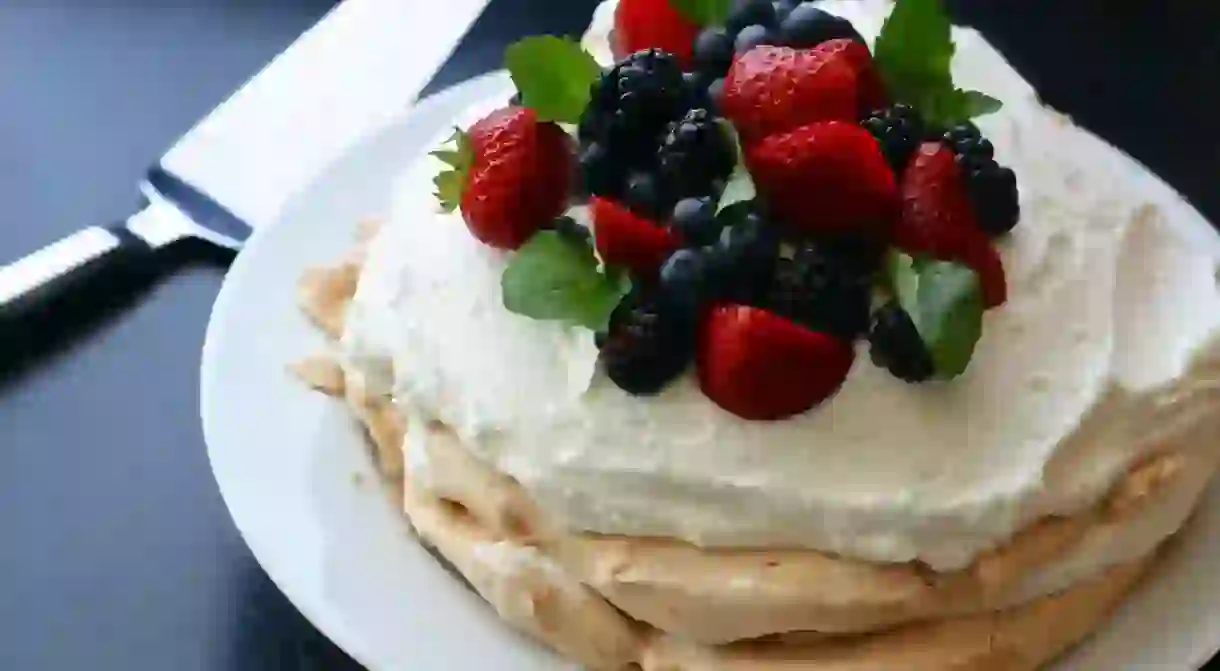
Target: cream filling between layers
1106, 349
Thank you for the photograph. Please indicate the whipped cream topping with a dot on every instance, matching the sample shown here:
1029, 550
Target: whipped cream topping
1106, 349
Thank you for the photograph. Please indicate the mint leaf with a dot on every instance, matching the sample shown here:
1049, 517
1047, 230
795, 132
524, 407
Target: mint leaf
945, 302
554, 76
555, 277
451, 181
704, 12
914, 54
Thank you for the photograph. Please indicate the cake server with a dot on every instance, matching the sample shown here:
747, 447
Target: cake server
352, 73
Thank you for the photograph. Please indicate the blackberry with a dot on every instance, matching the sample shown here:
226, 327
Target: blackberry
569, 228
695, 154
991, 187
647, 196
807, 26
632, 103
898, 130
822, 291
895, 345
646, 347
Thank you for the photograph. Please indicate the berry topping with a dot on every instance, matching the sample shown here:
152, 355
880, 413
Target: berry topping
808, 26
783, 9
601, 171
895, 345
714, 50
753, 36
646, 195
633, 102
685, 284
775, 89
652, 24
822, 291
899, 131
511, 175
826, 178
645, 347
746, 254
695, 154
694, 220
938, 221
751, 12
992, 189
761, 366
626, 240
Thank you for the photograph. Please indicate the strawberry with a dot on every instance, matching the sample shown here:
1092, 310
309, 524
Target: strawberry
760, 366
776, 89
871, 94
510, 174
647, 24
937, 219
826, 177
630, 241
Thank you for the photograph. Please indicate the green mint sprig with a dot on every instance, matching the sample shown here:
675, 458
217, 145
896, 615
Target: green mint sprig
704, 12
557, 277
554, 76
945, 301
914, 54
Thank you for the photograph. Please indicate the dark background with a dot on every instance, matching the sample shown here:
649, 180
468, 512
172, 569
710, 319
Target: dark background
115, 549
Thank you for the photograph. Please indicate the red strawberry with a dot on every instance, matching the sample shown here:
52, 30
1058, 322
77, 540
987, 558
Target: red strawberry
937, 219
760, 366
627, 240
645, 24
510, 173
775, 89
871, 93
826, 177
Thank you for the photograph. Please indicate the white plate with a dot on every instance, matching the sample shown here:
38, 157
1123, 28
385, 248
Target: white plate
296, 477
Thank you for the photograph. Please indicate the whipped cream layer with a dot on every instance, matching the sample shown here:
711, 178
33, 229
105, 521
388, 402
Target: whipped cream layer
1105, 352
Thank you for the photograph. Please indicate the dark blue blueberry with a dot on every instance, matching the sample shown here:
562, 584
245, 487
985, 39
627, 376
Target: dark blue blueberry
751, 250
600, 173
750, 12
783, 8
714, 91
695, 220
683, 284
644, 195
753, 36
696, 84
714, 51
807, 26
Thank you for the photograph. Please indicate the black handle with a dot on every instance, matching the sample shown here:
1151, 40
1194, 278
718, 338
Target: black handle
82, 263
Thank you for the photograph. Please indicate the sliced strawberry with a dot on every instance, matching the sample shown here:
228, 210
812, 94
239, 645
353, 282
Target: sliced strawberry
775, 89
647, 24
511, 174
629, 241
760, 366
826, 177
937, 219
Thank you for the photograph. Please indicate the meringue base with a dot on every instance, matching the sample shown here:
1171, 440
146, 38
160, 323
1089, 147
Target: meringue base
610, 602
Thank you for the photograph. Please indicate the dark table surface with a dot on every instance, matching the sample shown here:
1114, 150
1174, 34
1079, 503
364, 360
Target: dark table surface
115, 549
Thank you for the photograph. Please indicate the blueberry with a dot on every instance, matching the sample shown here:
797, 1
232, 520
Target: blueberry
751, 12
683, 283
644, 195
782, 9
751, 249
714, 92
714, 51
695, 220
696, 85
600, 174
807, 26
752, 36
